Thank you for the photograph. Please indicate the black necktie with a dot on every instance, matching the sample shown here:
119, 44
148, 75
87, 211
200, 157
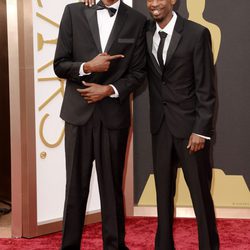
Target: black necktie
163, 36
101, 6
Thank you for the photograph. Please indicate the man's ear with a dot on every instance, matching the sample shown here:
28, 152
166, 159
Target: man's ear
173, 2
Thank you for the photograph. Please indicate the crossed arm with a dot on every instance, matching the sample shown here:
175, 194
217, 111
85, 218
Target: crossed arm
96, 92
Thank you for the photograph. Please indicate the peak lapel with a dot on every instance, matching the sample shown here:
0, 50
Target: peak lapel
172, 46
175, 39
119, 23
92, 20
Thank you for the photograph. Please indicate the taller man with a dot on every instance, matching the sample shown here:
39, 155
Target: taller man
97, 111
182, 100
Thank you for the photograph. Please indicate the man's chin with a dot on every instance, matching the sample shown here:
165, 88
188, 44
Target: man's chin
156, 18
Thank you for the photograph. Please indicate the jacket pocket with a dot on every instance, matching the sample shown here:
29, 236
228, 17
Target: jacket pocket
126, 40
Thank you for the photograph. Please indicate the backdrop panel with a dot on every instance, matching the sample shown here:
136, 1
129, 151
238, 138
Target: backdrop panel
37, 132
229, 25
49, 91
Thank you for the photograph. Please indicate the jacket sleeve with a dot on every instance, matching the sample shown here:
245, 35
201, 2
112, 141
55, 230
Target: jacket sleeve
136, 70
64, 65
204, 73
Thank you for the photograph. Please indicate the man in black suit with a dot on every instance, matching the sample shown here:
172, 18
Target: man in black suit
96, 109
182, 100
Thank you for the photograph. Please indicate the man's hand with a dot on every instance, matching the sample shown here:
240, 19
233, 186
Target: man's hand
195, 143
100, 63
95, 92
89, 2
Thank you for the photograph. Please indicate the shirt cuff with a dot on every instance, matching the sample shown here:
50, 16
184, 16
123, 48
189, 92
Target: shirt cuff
205, 137
116, 94
81, 71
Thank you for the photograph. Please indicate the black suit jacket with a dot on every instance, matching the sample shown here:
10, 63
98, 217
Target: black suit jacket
184, 92
79, 42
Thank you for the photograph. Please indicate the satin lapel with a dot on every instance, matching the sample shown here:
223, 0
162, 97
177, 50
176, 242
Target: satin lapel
118, 25
172, 46
176, 37
92, 20
150, 34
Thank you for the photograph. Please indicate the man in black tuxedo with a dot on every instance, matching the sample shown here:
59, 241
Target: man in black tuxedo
96, 109
182, 100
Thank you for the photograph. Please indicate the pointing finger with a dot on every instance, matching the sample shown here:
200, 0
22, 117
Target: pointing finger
87, 83
114, 57
80, 90
189, 144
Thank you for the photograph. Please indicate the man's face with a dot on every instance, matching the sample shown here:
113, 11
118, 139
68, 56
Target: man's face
160, 10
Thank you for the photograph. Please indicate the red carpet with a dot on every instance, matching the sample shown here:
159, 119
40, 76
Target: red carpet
234, 235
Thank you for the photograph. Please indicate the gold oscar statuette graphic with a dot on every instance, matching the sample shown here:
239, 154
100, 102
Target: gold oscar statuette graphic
229, 191
196, 9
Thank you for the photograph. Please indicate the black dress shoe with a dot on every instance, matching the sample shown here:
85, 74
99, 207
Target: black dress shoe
123, 248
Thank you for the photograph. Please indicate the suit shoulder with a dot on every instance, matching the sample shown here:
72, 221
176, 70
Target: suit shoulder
76, 6
150, 24
195, 27
198, 31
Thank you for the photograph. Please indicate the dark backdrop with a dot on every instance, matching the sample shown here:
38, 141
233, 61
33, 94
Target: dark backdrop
231, 143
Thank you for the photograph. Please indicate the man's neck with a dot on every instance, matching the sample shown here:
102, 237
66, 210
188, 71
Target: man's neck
165, 22
109, 2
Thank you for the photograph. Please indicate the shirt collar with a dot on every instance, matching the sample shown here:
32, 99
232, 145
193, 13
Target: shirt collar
169, 28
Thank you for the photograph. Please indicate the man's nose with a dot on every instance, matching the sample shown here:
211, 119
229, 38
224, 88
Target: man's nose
155, 3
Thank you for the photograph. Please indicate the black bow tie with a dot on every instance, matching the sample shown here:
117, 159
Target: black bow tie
101, 6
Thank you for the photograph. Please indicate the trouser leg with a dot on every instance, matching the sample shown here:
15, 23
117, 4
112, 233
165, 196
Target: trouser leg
79, 157
165, 168
110, 149
198, 175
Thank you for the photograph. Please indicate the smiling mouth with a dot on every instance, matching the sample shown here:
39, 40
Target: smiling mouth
156, 12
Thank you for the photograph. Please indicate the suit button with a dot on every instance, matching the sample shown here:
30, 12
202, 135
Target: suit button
164, 103
164, 83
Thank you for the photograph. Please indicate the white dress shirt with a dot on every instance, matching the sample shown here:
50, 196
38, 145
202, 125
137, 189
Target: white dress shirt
169, 28
105, 25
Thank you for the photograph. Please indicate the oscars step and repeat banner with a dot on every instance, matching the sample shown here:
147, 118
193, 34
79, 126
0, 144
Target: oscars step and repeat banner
49, 90
229, 25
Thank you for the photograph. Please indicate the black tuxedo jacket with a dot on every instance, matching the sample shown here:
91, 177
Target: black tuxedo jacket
79, 42
184, 92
